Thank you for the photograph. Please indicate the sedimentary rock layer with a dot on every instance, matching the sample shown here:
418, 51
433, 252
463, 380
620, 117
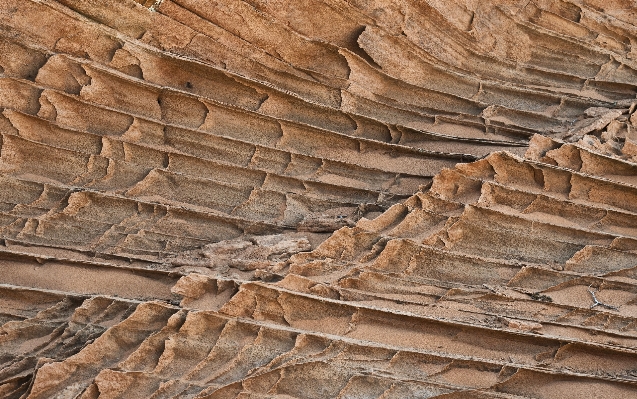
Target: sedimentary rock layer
318, 199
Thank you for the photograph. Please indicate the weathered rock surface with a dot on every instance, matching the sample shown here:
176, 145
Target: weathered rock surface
318, 199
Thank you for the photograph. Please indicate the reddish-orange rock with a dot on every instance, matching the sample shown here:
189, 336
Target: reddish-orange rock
318, 199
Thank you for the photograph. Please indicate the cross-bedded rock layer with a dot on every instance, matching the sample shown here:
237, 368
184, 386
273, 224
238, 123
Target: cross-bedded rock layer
168, 166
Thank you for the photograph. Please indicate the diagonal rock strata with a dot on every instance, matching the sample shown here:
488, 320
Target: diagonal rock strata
323, 199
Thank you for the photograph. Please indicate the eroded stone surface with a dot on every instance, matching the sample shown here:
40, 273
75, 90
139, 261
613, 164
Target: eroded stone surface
322, 198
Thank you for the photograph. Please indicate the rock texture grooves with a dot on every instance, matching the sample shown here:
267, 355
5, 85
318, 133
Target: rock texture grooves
318, 199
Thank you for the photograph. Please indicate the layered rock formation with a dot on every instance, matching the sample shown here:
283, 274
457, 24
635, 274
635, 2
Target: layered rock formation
318, 199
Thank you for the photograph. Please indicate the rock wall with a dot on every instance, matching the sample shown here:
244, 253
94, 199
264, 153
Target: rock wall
318, 199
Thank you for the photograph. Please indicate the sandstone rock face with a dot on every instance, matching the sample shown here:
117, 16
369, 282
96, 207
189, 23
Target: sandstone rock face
318, 199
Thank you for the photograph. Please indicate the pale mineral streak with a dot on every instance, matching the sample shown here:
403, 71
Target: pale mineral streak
318, 199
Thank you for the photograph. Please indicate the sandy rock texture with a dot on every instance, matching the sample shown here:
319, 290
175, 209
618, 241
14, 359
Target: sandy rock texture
318, 199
